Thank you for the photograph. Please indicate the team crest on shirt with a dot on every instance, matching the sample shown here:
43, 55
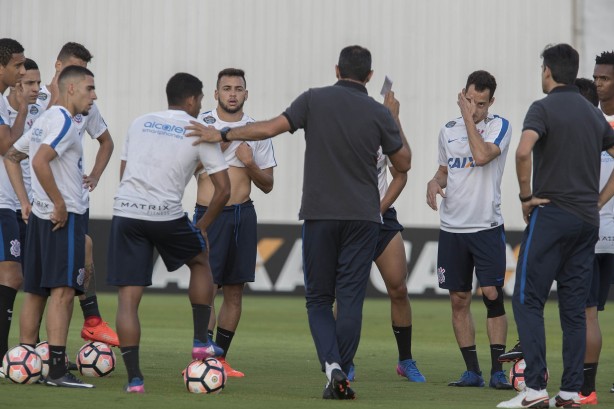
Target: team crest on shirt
209, 119
81, 276
450, 124
33, 110
78, 118
441, 275
42, 96
15, 248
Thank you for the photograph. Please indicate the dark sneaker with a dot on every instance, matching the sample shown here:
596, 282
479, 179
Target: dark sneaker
558, 402
136, 385
499, 381
68, 380
338, 387
513, 354
469, 378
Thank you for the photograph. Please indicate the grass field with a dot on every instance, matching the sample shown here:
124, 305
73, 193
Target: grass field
274, 348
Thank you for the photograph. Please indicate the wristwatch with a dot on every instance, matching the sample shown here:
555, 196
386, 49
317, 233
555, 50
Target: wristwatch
224, 132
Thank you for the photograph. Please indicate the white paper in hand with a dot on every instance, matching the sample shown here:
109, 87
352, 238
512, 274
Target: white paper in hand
386, 87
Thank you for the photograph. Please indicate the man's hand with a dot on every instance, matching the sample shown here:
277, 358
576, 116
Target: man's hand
392, 104
245, 154
204, 133
59, 216
432, 190
22, 102
467, 107
26, 208
89, 182
527, 207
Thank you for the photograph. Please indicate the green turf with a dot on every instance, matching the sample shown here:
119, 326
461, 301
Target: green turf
275, 350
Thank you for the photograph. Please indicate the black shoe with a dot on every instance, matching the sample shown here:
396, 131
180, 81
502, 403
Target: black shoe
512, 355
72, 366
68, 380
338, 387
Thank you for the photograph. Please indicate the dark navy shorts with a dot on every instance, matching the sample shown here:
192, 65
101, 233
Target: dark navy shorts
603, 271
132, 243
460, 253
10, 245
232, 243
388, 230
54, 258
23, 227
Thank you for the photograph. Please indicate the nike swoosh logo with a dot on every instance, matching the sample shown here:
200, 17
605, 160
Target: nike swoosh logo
89, 332
452, 140
528, 403
499, 349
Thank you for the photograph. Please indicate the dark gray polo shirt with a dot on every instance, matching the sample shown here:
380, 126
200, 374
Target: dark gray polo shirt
344, 129
567, 156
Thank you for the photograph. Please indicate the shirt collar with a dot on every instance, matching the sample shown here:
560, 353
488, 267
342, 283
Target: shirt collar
352, 84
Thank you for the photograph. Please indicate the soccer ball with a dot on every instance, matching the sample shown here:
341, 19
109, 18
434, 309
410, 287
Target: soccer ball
22, 365
205, 376
95, 359
517, 375
42, 349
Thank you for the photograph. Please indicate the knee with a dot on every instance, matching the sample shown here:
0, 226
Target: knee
398, 292
460, 300
493, 300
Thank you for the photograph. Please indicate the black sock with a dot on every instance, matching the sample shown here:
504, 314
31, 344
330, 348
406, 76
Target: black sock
223, 339
57, 361
7, 299
200, 315
470, 355
403, 337
590, 373
210, 333
495, 352
89, 306
131, 360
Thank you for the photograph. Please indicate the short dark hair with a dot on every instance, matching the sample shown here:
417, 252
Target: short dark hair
355, 63
8, 47
182, 86
588, 89
563, 62
30, 65
73, 71
482, 80
76, 50
230, 72
605, 58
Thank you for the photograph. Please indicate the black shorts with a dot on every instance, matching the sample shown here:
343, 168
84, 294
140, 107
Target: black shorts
23, 228
389, 228
460, 253
132, 243
10, 245
54, 258
603, 271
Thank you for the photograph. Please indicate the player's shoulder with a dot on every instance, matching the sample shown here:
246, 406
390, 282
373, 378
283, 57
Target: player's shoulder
208, 117
454, 124
497, 121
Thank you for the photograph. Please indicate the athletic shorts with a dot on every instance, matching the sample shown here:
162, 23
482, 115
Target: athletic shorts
54, 258
460, 253
10, 245
389, 228
603, 271
132, 243
232, 243
23, 227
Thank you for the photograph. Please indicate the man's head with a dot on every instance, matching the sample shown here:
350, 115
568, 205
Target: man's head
560, 66
231, 92
11, 63
31, 81
603, 74
354, 64
588, 90
480, 88
72, 54
77, 89
184, 91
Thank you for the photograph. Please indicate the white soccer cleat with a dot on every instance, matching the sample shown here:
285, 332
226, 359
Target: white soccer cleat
528, 398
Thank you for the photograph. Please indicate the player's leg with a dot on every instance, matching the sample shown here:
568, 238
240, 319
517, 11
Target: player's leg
392, 264
227, 322
32, 310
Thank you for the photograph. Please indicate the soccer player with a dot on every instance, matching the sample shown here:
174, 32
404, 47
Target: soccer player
11, 71
344, 128
158, 161
472, 154
232, 236
94, 328
54, 264
561, 210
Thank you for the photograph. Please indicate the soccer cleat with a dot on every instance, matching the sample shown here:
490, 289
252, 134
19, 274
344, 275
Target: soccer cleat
205, 350
68, 380
338, 387
72, 366
528, 398
499, 381
512, 355
612, 389
590, 399
469, 378
352, 373
558, 402
2, 375
99, 331
136, 385
228, 369
408, 369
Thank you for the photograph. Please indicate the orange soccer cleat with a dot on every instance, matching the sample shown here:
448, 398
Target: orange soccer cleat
95, 329
228, 369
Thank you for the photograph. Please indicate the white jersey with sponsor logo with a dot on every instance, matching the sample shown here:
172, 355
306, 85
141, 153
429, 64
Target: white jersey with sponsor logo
473, 193
160, 160
263, 153
55, 128
8, 195
383, 163
605, 244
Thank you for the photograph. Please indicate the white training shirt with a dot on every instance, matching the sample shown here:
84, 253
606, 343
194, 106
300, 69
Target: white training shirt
264, 157
55, 128
605, 244
383, 163
160, 160
473, 193
7, 194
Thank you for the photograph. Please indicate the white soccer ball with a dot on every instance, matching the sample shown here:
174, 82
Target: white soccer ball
22, 364
95, 359
205, 376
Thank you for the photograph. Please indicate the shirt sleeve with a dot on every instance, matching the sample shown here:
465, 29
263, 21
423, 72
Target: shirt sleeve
264, 156
58, 133
535, 119
499, 132
211, 157
443, 158
95, 123
4, 112
23, 143
608, 137
297, 112
391, 136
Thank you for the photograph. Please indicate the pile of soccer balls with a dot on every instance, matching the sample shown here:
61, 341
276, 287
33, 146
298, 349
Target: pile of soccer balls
26, 365
205, 376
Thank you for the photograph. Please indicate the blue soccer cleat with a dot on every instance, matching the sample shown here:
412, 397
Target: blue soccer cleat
469, 378
352, 373
136, 385
206, 350
408, 369
499, 381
